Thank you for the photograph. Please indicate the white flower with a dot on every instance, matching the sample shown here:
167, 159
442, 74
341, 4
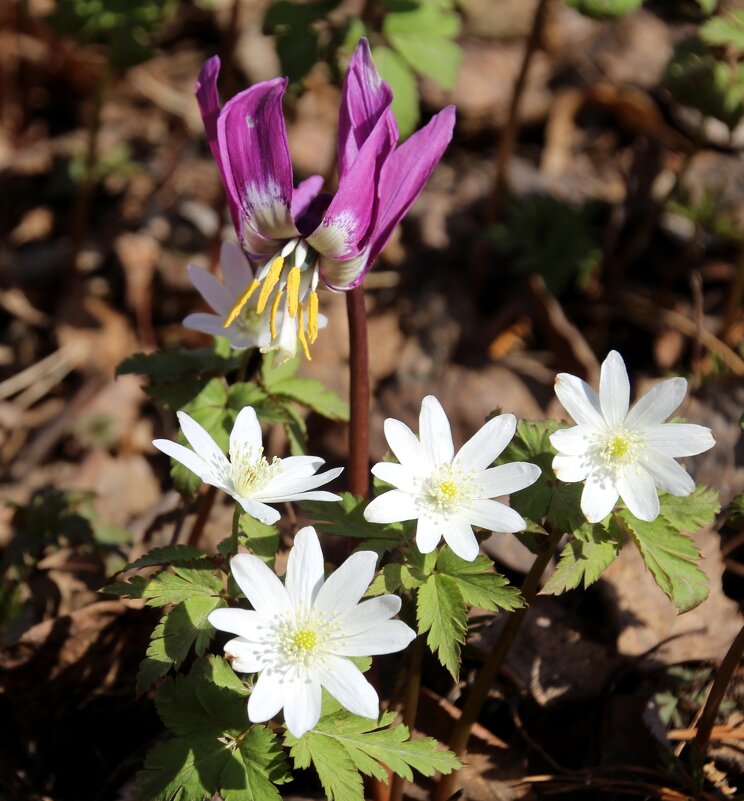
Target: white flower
300, 634
248, 475
449, 493
250, 329
621, 453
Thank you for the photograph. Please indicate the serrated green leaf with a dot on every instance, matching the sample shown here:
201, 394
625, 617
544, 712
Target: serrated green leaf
670, 556
584, 558
218, 670
442, 615
394, 576
725, 31
268, 408
397, 73
185, 582
691, 512
134, 587
342, 745
166, 555
478, 583
346, 519
261, 539
311, 393
215, 749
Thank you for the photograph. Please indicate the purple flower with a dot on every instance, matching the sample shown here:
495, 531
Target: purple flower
296, 234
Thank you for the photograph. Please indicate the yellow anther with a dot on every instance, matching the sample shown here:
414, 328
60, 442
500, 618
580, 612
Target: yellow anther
301, 335
269, 283
274, 311
293, 291
312, 317
239, 303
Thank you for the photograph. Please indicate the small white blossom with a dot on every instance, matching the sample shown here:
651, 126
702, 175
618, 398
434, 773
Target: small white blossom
449, 493
248, 476
621, 453
300, 634
249, 329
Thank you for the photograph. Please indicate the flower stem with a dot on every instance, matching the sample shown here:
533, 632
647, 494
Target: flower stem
479, 691
235, 528
410, 706
717, 693
358, 466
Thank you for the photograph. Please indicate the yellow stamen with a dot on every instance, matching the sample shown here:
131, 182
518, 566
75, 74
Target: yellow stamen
312, 317
293, 291
239, 303
274, 311
269, 283
301, 335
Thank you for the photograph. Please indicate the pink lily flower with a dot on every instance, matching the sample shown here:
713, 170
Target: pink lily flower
296, 235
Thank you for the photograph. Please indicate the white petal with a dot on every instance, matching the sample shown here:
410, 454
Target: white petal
459, 536
236, 270
598, 498
614, 388
668, 475
267, 697
429, 532
494, 516
636, 487
246, 431
286, 484
203, 444
406, 447
242, 622
396, 474
679, 439
315, 495
210, 289
573, 441
206, 323
302, 466
249, 657
435, 432
346, 683
368, 614
385, 638
570, 468
260, 511
507, 478
259, 584
302, 705
347, 584
658, 403
579, 400
487, 443
187, 458
391, 507
304, 568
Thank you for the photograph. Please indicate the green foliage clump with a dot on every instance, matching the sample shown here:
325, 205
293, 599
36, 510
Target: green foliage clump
602, 9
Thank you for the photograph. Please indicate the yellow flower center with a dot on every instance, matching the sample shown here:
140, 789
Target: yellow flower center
304, 640
447, 488
620, 448
251, 470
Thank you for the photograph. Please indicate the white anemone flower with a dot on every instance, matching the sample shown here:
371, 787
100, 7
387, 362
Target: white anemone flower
300, 634
249, 329
449, 493
247, 475
620, 453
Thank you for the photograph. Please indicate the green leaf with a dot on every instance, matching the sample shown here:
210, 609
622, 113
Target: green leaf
346, 519
691, 512
183, 583
397, 73
423, 37
281, 381
725, 31
441, 611
168, 554
217, 670
134, 587
601, 9
584, 558
342, 745
268, 409
215, 749
478, 583
261, 539
670, 556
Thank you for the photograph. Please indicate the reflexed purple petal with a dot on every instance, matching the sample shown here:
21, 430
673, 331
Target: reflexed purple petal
365, 98
253, 141
304, 194
354, 206
406, 172
208, 99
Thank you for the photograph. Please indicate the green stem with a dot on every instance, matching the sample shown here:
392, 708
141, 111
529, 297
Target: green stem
483, 682
235, 528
